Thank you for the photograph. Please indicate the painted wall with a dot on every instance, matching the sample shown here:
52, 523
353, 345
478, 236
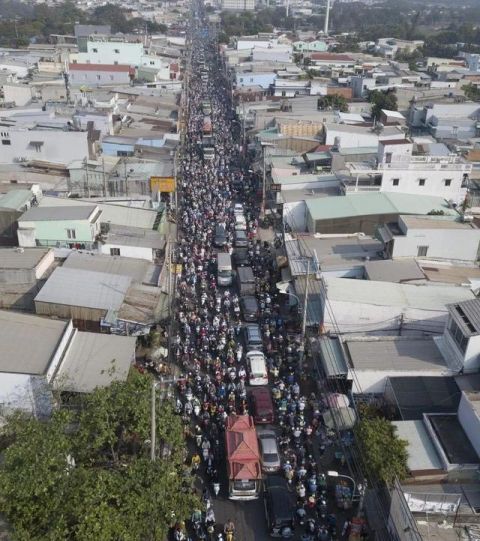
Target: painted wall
111, 52
58, 146
470, 421
98, 78
137, 252
457, 244
255, 79
56, 230
113, 149
374, 381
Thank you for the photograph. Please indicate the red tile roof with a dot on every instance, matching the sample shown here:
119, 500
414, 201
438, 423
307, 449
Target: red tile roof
100, 67
332, 56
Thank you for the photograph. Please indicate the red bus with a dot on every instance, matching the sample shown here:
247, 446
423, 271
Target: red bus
243, 458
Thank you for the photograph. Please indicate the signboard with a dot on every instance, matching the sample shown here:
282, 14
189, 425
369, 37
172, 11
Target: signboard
177, 269
162, 184
275, 187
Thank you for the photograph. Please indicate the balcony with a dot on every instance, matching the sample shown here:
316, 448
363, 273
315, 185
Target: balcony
426, 163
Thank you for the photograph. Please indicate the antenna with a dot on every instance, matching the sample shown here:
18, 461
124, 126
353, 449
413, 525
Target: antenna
327, 16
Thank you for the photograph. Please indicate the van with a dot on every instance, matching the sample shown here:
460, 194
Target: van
262, 406
224, 269
246, 281
220, 236
252, 337
257, 368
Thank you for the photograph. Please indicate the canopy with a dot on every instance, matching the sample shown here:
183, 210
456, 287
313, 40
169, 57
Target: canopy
244, 471
340, 418
242, 448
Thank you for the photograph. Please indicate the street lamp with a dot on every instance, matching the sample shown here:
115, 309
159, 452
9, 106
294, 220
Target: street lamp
336, 474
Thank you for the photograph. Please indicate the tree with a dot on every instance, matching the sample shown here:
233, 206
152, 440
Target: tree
382, 100
471, 92
86, 473
384, 453
334, 101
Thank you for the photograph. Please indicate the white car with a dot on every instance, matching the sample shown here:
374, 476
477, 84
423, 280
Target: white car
240, 222
257, 368
238, 209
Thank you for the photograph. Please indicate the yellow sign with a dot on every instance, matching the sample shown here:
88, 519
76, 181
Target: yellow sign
162, 184
178, 269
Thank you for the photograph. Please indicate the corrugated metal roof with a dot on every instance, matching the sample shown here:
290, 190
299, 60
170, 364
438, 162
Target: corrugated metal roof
26, 258
332, 357
74, 287
95, 360
15, 199
467, 316
50, 214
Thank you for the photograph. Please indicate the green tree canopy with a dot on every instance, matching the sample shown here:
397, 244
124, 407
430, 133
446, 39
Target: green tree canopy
334, 101
382, 100
384, 453
86, 473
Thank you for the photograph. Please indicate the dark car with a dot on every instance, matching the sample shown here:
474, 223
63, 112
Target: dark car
220, 236
240, 257
279, 507
262, 405
241, 240
249, 307
252, 337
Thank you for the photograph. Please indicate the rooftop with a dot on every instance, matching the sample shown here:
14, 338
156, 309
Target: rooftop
28, 342
455, 443
95, 360
393, 271
136, 269
436, 222
47, 214
422, 297
421, 451
135, 236
423, 394
100, 67
467, 316
26, 258
15, 199
399, 354
372, 204
449, 273
75, 287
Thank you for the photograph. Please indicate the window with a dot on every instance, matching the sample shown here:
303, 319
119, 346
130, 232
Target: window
458, 336
6, 142
448, 182
388, 157
395, 181
111, 77
422, 251
152, 62
115, 62
94, 50
71, 234
99, 77
116, 51
421, 182
114, 251
241, 79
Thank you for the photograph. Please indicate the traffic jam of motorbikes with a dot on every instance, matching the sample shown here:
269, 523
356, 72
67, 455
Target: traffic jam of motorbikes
255, 431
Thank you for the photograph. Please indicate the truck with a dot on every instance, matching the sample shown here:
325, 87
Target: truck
243, 458
207, 125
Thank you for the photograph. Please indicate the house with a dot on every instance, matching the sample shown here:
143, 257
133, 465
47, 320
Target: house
238, 5
100, 301
22, 274
12, 205
331, 60
314, 46
447, 120
249, 78
69, 227
390, 308
110, 50
132, 242
433, 237
37, 352
83, 32
100, 74
355, 212
350, 136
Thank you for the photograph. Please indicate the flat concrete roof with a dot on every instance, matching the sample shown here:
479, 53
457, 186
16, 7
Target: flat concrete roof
135, 236
453, 439
24, 258
421, 451
78, 287
28, 342
400, 354
449, 273
37, 214
95, 360
436, 222
393, 271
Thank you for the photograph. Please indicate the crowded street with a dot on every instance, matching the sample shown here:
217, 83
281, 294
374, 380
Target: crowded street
253, 421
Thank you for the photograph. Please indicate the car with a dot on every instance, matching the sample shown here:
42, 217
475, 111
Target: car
269, 453
257, 368
238, 209
220, 236
249, 308
262, 406
252, 337
279, 507
240, 238
240, 257
240, 222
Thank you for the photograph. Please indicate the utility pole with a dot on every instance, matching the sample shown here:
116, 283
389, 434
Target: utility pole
305, 305
104, 178
327, 17
154, 423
